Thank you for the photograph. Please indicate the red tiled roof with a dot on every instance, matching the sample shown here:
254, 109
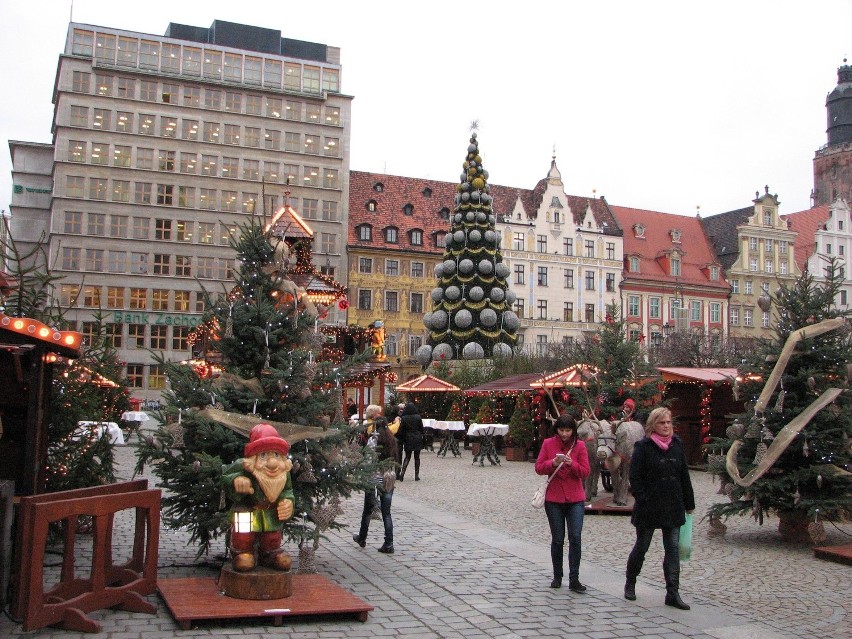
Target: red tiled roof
397, 191
427, 198
806, 224
696, 251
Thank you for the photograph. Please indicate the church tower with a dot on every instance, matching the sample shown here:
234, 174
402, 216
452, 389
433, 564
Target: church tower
833, 162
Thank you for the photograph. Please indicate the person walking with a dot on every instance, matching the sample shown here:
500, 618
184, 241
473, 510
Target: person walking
411, 428
386, 449
564, 502
659, 480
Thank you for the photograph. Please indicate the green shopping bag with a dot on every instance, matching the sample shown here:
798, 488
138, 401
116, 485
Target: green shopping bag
685, 543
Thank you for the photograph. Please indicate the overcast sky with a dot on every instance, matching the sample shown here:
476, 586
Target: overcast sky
657, 105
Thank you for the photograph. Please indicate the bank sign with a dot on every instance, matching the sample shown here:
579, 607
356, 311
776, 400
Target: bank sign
155, 319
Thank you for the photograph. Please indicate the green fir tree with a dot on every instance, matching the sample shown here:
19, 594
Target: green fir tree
810, 482
619, 370
263, 337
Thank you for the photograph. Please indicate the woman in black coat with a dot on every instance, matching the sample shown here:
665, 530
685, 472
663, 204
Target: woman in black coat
659, 481
411, 427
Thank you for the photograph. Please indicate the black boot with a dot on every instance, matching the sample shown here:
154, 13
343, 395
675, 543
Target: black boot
416, 469
575, 586
402, 472
630, 589
673, 599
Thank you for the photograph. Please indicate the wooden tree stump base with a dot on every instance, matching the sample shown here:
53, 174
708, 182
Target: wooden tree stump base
258, 584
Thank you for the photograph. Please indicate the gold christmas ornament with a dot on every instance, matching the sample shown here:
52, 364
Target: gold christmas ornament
306, 560
759, 453
817, 532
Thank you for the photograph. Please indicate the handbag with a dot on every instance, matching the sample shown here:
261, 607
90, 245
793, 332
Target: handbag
685, 540
541, 491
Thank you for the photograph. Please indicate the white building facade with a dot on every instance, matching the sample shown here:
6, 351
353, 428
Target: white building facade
565, 254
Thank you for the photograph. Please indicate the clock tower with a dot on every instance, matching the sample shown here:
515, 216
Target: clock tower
833, 162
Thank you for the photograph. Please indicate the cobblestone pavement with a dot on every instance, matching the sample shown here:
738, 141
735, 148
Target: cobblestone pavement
472, 560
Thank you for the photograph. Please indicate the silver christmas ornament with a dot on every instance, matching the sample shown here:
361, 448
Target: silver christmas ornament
442, 351
476, 293
472, 350
486, 267
488, 317
463, 319
501, 350
452, 293
497, 294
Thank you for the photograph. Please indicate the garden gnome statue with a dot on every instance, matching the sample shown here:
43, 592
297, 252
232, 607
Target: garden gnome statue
261, 491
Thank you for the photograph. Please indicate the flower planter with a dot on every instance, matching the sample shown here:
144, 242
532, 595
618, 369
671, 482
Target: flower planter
514, 453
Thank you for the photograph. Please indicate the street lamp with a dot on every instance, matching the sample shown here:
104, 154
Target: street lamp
667, 329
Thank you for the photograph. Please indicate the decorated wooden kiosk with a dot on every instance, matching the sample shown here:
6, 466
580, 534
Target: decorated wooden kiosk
702, 403
431, 386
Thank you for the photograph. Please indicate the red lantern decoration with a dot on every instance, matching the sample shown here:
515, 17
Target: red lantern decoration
343, 304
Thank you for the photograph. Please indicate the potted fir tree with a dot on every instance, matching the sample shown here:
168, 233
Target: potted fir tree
521, 431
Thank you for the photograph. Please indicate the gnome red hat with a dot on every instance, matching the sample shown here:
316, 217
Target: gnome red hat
264, 438
630, 405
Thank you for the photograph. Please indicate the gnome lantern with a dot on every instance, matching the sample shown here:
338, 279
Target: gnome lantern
261, 491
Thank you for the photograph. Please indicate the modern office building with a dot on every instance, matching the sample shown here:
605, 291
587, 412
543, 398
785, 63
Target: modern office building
162, 146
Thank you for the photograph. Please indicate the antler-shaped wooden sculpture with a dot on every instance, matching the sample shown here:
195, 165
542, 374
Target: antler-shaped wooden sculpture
787, 434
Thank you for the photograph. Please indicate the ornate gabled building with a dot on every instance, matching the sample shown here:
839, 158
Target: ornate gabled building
755, 247
833, 161
565, 254
823, 233
397, 227
672, 279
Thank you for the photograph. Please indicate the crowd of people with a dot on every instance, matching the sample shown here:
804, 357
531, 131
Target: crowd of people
659, 482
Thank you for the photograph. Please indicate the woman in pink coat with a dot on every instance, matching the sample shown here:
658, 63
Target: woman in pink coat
565, 498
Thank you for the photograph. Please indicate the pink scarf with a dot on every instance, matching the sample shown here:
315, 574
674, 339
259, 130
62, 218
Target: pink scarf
662, 442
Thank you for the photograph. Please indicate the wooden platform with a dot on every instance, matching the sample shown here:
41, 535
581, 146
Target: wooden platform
602, 505
198, 599
840, 554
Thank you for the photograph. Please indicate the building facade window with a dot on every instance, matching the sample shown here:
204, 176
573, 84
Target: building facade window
542, 276
633, 306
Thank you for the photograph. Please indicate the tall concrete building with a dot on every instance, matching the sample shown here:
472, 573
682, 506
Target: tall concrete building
162, 146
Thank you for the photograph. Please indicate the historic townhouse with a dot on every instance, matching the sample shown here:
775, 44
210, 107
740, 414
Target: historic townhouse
755, 247
162, 146
565, 253
823, 233
396, 237
672, 279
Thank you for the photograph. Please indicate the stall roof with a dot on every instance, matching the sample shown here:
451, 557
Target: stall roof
22, 333
683, 374
574, 375
512, 385
427, 384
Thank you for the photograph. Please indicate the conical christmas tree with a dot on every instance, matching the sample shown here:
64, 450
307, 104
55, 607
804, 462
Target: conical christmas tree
802, 476
619, 369
471, 316
264, 334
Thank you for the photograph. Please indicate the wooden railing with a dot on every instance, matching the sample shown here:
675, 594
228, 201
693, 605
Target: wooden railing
108, 585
